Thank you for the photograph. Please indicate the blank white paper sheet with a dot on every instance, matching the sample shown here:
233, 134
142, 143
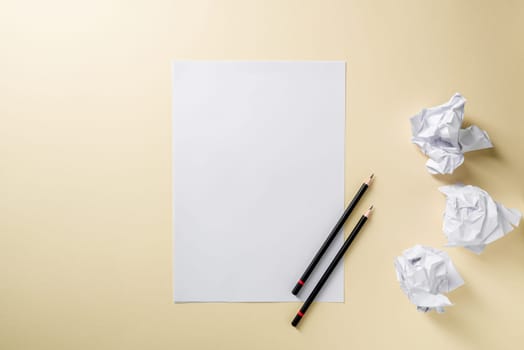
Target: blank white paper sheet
258, 178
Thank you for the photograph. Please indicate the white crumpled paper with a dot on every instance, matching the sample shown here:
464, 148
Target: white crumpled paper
436, 130
424, 274
473, 219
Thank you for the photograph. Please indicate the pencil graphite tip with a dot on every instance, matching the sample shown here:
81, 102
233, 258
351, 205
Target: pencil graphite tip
370, 179
368, 212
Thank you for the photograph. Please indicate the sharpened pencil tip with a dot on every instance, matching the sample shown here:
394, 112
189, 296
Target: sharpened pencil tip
368, 212
370, 179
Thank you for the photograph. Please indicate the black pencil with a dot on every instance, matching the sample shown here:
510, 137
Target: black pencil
332, 235
331, 267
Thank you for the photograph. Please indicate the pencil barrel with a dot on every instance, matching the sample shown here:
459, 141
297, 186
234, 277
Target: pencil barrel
296, 320
330, 237
338, 257
297, 288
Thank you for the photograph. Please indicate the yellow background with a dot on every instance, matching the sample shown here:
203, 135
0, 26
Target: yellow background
85, 169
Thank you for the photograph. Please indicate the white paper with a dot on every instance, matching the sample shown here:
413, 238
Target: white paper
473, 219
258, 178
426, 273
437, 132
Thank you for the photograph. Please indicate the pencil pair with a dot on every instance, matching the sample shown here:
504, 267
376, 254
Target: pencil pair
338, 226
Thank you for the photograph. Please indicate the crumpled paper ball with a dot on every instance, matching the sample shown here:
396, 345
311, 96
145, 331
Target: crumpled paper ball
424, 274
473, 219
437, 132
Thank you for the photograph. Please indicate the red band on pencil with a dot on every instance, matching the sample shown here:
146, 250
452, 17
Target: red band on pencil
300, 313
301, 282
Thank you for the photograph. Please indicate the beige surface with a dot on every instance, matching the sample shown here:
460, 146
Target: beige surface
85, 227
